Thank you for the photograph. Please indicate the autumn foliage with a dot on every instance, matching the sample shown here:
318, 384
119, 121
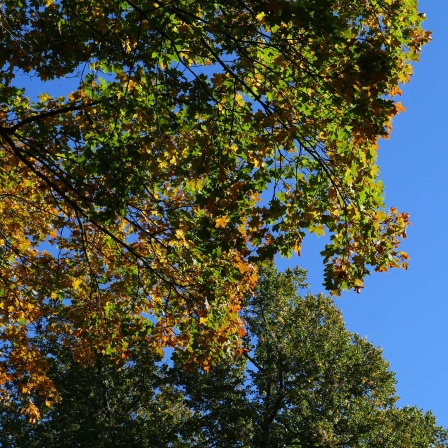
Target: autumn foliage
193, 140
304, 381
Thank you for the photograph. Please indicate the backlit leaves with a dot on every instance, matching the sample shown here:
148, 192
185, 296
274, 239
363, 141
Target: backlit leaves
193, 140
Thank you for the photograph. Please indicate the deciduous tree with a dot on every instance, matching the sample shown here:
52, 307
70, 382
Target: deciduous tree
193, 139
305, 381
308, 382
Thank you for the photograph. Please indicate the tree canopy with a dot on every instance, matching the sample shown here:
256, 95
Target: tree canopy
305, 381
193, 140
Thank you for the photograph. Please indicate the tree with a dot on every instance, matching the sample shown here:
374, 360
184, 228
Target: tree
194, 139
305, 381
308, 382
103, 405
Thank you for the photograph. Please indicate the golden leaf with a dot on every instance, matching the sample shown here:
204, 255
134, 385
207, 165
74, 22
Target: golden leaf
222, 221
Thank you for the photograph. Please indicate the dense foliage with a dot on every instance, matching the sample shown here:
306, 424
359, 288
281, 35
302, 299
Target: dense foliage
305, 382
172, 145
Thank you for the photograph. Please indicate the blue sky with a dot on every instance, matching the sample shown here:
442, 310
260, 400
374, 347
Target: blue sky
405, 312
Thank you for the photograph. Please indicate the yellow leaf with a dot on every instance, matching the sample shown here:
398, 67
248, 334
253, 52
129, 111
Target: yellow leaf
44, 97
131, 85
180, 234
221, 222
298, 246
318, 230
358, 285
